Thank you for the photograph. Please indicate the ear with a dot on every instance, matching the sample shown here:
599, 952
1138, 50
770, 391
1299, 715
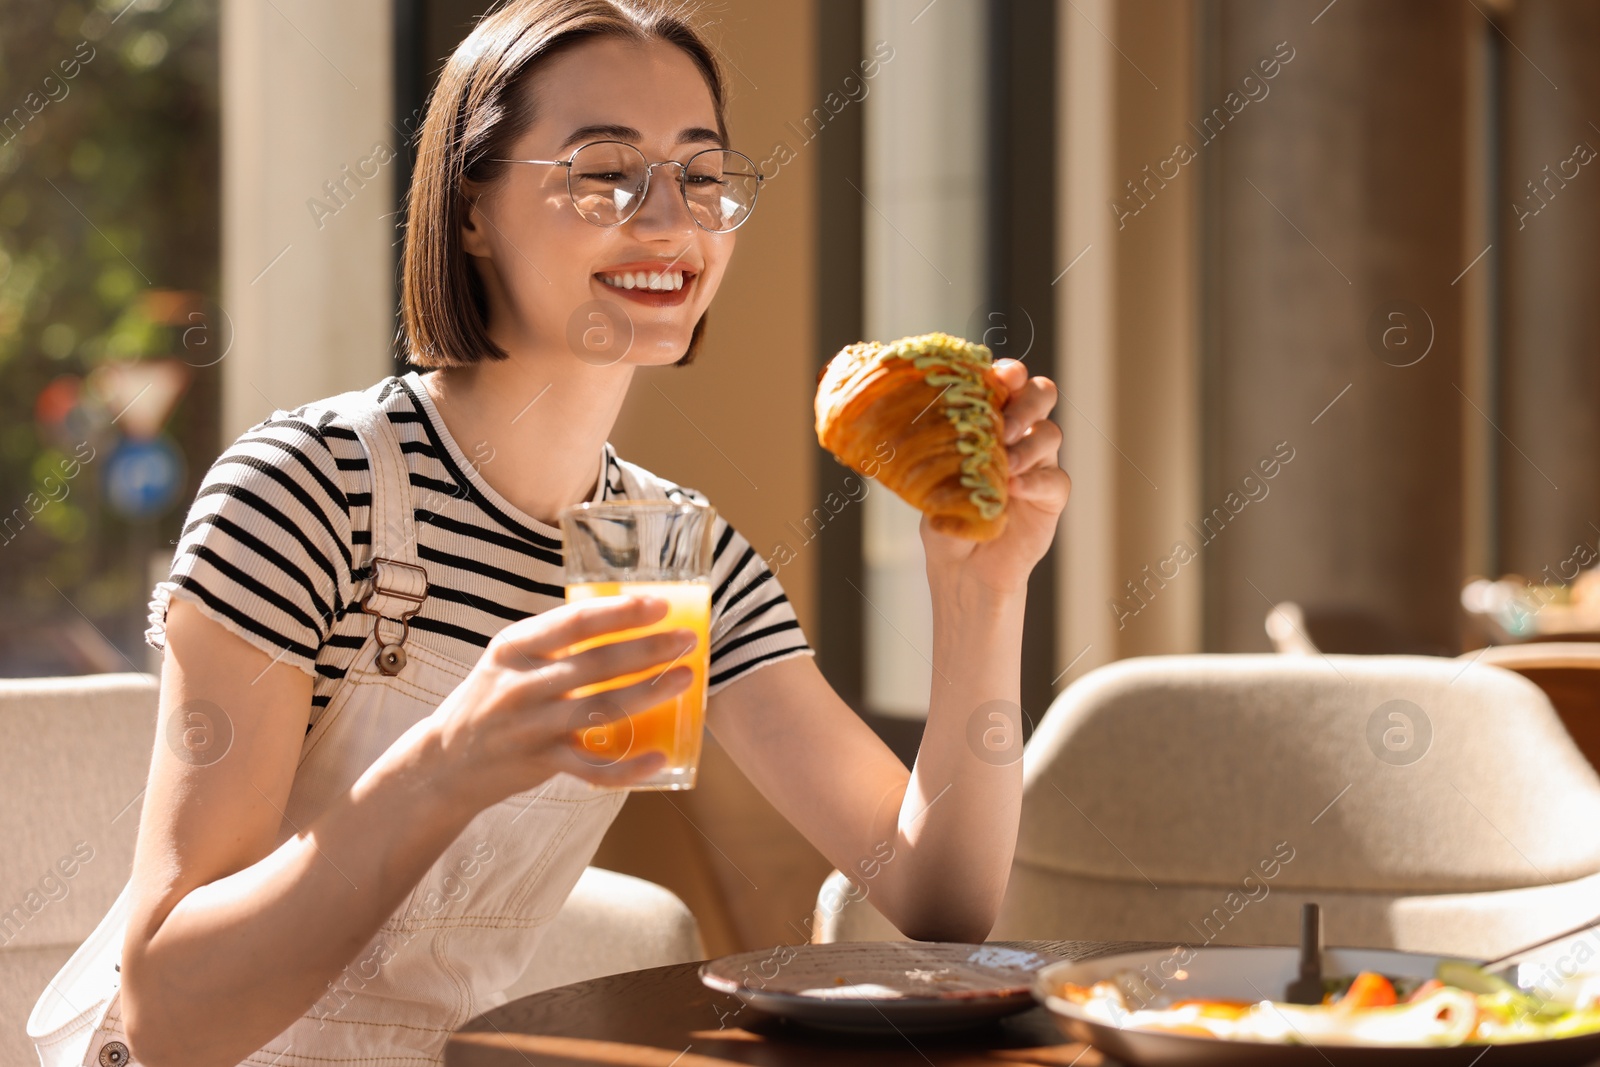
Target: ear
475, 227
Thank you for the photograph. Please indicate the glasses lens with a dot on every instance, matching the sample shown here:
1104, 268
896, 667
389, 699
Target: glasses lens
721, 188
607, 181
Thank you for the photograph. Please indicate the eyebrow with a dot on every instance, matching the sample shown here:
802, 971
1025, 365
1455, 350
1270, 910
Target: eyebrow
612, 132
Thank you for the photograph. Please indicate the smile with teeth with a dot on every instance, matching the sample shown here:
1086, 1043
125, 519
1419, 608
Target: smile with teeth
658, 281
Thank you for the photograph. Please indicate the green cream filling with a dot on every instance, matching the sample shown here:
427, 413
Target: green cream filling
967, 406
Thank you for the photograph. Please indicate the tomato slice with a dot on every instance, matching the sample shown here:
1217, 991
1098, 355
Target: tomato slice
1369, 990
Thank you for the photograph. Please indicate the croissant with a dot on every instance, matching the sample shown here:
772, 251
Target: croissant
922, 416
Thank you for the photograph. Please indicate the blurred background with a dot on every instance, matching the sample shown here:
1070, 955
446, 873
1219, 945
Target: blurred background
1317, 279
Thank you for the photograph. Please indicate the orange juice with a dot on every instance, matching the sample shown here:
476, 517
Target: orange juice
673, 726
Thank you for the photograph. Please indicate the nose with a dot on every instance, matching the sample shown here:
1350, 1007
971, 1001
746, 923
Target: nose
664, 208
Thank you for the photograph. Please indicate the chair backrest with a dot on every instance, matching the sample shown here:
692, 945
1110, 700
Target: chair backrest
74, 756
1382, 774
1204, 799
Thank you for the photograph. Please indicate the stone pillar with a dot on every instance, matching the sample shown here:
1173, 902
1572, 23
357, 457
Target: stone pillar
1333, 349
1549, 221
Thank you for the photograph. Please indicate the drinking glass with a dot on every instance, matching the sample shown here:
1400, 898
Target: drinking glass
664, 549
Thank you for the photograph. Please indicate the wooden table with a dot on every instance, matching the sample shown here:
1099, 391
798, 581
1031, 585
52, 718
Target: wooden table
664, 1016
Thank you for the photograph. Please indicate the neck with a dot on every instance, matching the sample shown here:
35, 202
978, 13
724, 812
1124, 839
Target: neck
533, 424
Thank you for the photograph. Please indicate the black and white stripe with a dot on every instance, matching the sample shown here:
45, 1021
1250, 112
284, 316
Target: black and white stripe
270, 548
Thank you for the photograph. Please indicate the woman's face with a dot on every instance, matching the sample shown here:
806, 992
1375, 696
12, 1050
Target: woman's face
550, 274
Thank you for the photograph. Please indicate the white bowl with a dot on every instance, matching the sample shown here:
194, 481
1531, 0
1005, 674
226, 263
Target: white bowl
1253, 974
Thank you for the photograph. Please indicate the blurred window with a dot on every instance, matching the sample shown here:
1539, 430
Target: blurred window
110, 334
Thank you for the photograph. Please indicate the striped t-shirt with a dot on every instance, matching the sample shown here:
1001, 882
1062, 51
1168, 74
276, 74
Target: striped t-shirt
269, 548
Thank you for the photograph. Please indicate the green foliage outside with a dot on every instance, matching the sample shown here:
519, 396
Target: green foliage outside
109, 159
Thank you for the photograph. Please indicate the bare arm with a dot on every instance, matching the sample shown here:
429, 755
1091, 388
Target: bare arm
933, 847
231, 939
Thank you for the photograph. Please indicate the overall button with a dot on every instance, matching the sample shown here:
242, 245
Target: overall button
391, 659
114, 1054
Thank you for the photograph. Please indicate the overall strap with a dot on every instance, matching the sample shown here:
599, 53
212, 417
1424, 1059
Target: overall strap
399, 583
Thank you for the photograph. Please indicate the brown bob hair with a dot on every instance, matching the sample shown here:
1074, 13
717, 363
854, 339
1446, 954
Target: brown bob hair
478, 107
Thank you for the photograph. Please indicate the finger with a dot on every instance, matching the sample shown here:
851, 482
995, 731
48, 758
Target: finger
599, 728
1028, 405
561, 627
646, 693
1047, 486
1013, 372
599, 712
597, 749
614, 659
1041, 445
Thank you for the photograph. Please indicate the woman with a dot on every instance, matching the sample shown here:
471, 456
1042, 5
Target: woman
349, 892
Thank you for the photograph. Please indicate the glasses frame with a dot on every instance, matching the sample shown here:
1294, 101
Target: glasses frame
649, 172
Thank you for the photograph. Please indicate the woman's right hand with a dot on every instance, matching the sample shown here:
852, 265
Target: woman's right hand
512, 723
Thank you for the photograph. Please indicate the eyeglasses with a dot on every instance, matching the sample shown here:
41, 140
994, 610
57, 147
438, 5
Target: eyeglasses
608, 181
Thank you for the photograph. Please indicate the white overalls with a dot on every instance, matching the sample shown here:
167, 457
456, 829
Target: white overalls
470, 926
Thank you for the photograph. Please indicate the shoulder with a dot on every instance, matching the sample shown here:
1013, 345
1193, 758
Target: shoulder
268, 545
286, 487
313, 448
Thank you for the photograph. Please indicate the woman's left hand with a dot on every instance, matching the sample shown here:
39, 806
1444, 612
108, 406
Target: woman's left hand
1037, 492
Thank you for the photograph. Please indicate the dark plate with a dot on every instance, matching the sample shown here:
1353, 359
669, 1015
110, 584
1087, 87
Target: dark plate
882, 987
1262, 973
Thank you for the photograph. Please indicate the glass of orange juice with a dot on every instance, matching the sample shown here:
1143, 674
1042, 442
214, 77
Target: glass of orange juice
664, 549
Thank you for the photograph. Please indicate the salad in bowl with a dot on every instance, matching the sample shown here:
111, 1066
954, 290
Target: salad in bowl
1228, 1005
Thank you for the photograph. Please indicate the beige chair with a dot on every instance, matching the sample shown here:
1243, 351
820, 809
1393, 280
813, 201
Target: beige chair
1203, 799
74, 753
